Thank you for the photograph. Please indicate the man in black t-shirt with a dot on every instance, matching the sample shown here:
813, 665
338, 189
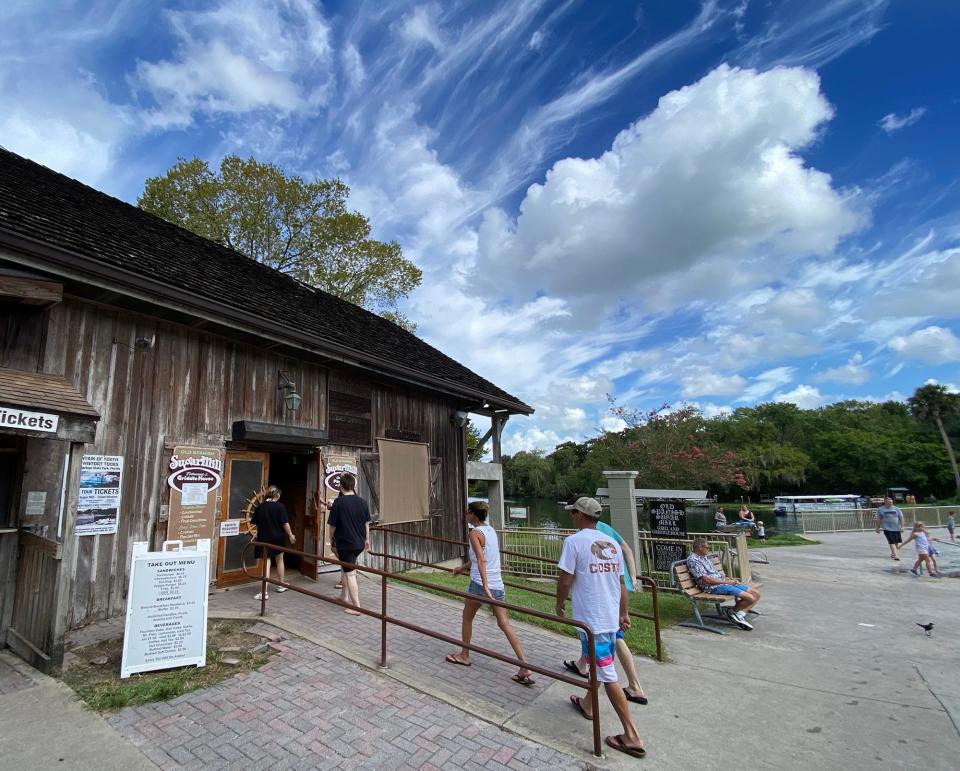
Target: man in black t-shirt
349, 527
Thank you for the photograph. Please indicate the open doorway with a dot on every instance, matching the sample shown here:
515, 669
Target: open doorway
288, 471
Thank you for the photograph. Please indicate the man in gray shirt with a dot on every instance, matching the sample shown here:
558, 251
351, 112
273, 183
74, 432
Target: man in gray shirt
890, 518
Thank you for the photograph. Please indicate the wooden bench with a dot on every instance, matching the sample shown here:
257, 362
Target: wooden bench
681, 578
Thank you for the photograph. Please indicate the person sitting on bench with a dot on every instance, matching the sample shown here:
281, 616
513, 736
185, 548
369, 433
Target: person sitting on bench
712, 580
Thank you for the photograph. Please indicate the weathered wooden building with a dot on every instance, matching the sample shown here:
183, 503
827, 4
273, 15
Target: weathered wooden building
152, 381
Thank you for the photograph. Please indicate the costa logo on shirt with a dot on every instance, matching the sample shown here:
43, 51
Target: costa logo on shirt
607, 553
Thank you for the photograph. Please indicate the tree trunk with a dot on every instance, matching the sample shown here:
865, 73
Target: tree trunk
950, 453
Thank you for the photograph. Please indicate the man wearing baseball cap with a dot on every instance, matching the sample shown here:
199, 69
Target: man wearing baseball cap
591, 566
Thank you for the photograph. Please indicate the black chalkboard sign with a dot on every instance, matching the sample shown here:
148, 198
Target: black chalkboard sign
668, 519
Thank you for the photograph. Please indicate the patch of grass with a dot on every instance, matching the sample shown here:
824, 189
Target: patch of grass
781, 539
640, 637
95, 673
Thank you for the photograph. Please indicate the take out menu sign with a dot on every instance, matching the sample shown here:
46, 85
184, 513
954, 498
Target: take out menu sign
166, 623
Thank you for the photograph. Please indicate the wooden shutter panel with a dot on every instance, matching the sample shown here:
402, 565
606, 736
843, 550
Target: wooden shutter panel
369, 482
436, 487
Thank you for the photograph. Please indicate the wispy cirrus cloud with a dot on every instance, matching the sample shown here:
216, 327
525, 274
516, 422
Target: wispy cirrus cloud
892, 122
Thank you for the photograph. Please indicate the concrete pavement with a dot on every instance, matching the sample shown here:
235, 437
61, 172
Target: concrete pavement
43, 725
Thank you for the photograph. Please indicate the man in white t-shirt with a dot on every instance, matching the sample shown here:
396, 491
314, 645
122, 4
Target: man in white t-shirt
590, 565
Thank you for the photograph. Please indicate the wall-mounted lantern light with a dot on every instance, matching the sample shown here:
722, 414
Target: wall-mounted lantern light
291, 397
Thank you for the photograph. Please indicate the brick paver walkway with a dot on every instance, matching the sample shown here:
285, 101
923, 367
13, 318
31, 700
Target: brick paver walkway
309, 708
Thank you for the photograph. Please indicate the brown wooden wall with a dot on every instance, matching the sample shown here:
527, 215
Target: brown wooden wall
425, 418
189, 388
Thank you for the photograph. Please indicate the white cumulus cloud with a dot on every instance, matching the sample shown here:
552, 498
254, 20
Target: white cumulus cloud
853, 372
707, 383
765, 383
932, 345
804, 396
694, 190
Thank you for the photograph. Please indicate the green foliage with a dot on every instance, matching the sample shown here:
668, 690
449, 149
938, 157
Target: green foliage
771, 449
781, 539
474, 450
935, 403
527, 474
302, 228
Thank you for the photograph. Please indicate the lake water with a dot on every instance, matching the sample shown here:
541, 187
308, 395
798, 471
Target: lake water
545, 512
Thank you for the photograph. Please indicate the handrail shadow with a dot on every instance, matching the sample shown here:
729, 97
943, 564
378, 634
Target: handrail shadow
646, 580
591, 685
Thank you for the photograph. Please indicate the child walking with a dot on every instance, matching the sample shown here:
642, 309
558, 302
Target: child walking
919, 536
951, 524
761, 531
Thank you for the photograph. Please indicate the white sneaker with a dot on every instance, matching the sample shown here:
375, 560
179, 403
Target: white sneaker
741, 618
259, 596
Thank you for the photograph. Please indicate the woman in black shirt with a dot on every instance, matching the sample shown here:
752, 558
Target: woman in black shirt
272, 523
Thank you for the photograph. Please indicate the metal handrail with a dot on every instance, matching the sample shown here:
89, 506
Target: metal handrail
646, 580
591, 686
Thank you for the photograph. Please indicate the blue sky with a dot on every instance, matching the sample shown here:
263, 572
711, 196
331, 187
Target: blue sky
717, 202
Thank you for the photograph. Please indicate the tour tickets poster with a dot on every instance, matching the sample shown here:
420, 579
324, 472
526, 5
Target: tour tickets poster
98, 507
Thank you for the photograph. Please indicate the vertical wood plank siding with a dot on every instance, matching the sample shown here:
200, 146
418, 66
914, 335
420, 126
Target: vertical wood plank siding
428, 418
189, 388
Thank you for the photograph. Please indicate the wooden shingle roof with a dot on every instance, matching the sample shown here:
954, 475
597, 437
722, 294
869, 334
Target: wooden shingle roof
46, 393
57, 212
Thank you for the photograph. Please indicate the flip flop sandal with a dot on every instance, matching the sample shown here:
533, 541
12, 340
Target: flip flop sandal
571, 666
523, 680
451, 659
617, 743
577, 702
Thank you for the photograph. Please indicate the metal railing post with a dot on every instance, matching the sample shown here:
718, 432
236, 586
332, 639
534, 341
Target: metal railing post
594, 692
383, 602
656, 614
263, 584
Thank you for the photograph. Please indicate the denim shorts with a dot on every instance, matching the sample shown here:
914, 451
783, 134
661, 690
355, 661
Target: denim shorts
477, 590
729, 589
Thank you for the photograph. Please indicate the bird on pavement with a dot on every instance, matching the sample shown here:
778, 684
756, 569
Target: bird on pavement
928, 628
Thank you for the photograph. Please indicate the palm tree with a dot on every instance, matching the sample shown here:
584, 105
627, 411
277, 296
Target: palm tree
935, 401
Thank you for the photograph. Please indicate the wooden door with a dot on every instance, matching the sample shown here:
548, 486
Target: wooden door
313, 521
245, 477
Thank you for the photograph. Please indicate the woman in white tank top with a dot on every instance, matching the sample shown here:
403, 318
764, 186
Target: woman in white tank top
486, 582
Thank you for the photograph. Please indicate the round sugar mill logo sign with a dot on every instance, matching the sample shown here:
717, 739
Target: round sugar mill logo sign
332, 479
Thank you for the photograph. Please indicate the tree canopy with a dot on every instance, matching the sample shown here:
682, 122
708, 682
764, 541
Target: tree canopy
302, 228
770, 449
935, 403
